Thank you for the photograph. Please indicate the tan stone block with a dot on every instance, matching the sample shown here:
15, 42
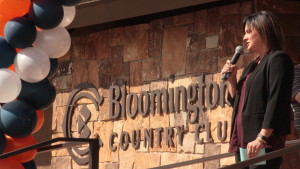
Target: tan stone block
230, 34
212, 41
54, 120
135, 73
56, 135
157, 120
196, 42
143, 148
168, 158
99, 45
118, 67
81, 39
213, 21
78, 51
151, 69
146, 87
104, 129
200, 22
191, 127
180, 119
155, 48
129, 161
144, 161
171, 158
156, 29
188, 157
203, 61
219, 114
210, 150
174, 51
77, 166
94, 112
102, 165
85, 72
188, 145
104, 92
116, 36
60, 114
61, 162
135, 89
118, 126
138, 123
61, 99
199, 148
104, 110
60, 152
172, 119
180, 81
136, 42
85, 100
158, 85
111, 166
228, 160
164, 147
62, 83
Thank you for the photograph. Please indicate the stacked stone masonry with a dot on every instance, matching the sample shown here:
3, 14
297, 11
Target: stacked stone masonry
162, 54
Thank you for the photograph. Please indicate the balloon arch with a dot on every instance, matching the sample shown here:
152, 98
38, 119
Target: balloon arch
32, 38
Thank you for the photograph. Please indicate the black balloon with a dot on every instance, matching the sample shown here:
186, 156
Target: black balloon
17, 119
29, 165
7, 54
2, 142
69, 2
40, 95
53, 68
46, 14
20, 32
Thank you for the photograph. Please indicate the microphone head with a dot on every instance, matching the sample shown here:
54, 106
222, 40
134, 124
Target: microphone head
239, 49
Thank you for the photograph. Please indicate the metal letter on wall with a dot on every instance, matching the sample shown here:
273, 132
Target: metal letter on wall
82, 91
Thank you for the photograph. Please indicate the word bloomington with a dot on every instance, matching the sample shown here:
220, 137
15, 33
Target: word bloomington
191, 100
148, 139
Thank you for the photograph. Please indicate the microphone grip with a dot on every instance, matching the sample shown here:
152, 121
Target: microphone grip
226, 76
233, 60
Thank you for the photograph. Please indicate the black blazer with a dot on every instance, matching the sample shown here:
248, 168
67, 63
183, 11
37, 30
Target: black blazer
267, 97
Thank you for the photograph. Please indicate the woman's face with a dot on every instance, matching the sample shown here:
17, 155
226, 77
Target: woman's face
252, 40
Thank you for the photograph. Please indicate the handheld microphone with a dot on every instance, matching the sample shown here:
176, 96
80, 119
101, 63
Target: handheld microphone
238, 51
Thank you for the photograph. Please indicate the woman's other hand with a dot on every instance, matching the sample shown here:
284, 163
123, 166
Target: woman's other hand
253, 148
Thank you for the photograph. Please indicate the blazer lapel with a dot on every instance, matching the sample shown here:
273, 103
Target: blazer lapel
254, 73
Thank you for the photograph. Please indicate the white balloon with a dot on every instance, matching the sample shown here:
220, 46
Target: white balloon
10, 85
55, 42
32, 64
69, 15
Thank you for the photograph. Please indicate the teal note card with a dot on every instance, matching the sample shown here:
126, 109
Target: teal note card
244, 156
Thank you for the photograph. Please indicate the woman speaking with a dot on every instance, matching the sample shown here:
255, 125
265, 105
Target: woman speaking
261, 96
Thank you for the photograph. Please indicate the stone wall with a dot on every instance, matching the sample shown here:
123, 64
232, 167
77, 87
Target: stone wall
161, 54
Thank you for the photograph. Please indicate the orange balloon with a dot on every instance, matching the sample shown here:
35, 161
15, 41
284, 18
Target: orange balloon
12, 67
3, 21
18, 143
40, 120
10, 164
14, 8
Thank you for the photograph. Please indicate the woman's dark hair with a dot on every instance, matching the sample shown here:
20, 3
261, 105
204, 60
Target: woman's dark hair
266, 24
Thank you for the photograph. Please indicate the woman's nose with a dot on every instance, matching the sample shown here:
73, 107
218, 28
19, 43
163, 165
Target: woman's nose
244, 37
